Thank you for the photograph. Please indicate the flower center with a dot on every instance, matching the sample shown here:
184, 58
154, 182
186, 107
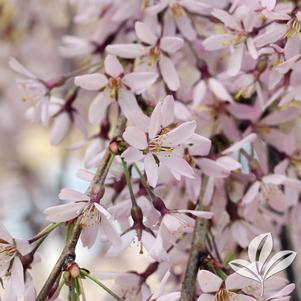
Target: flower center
176, 10
7, 252
156, 144
222, 295
91, 216
114, 85
295, 28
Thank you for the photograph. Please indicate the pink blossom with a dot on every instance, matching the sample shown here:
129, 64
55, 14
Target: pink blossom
157, 52
93, 215
160, 143
114, 87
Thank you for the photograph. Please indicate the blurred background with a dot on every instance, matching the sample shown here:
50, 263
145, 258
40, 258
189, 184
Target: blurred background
33, 172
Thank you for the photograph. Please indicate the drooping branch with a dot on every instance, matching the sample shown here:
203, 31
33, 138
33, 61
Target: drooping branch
68, 253
197, 252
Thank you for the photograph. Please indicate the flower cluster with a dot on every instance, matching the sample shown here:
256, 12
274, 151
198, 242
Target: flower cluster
190, 132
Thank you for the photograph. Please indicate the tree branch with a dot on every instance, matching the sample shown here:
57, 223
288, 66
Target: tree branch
68, 253
197, 252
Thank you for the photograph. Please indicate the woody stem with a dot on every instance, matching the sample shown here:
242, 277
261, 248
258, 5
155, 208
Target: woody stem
68, 252
197, 254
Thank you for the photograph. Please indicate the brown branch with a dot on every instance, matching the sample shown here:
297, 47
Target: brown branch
197, 253
68, 253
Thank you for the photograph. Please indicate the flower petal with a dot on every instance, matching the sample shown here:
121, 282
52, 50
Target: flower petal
132, 154
98, 107
113, 66
180, 134
139, 81
219, 90
167, 110
145, 34
129, 106
91, 82
151, 169
169, 73
68, 194
127, 51
135, 137
209, 282
171, 44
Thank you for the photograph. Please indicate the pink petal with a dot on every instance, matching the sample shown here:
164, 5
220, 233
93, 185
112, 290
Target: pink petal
171, 44
283, 116
206, 297
23, 246
219, 90
63, 213
275, 179
272, 34
129, 106
201, 145
18, 67
155, 121
226, 18
113, 66
98, 107
127, 51
110, 232
68, 194
145, 34
132, 154
103, 210
126, 240
170, 297
17, 277
216, 42
92, 82
169, 73
151, 169
229, 163
180, 134
135, 137
60, 128
199, 92
239, 233
177, 165
269, 4
209, 282
213, 168
235, 60
167, 110
251, 193
139, 81
89, 235
185, 26
252, 49
240, 144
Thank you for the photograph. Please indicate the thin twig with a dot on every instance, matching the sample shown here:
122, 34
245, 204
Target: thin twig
197, 252
68, 253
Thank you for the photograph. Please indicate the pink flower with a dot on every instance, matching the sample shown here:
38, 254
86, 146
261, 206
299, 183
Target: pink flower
177, 221
115, 86
237, 39
160, 144
157, 52
176, 15
11, 267
93, 215
33, 90
212, 288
